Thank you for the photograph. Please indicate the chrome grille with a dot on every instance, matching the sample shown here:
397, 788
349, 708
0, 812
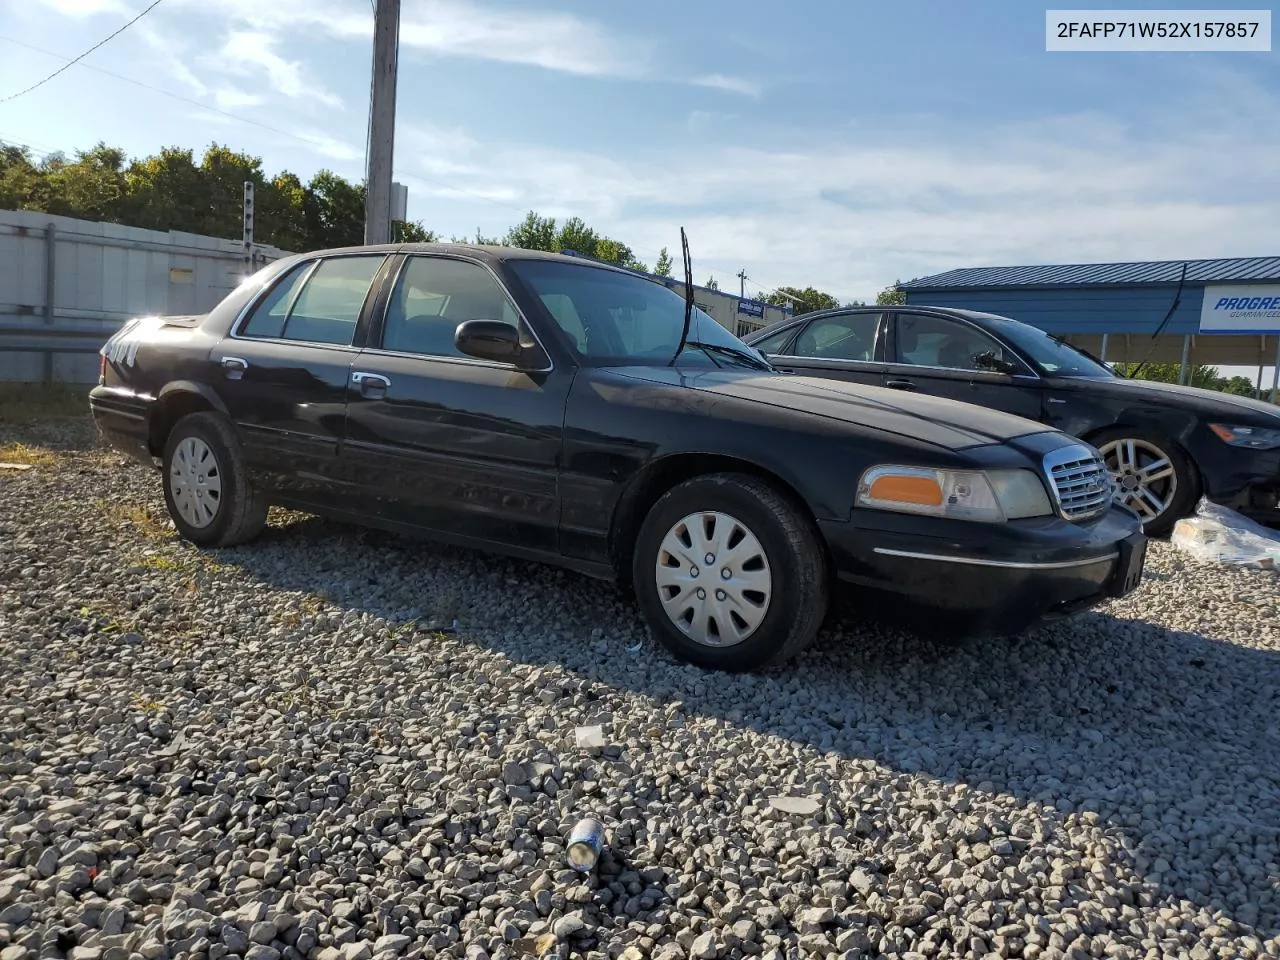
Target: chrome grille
1080, 480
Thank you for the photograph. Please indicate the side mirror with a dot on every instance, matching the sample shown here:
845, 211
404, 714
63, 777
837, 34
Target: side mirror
989, 361
489, 340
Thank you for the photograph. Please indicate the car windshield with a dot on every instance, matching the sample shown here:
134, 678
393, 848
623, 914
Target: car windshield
1053, 356
612, 318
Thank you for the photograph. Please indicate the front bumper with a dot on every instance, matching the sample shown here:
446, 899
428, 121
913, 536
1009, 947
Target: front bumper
970, 578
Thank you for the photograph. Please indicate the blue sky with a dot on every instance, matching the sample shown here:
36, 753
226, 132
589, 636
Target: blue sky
839, 144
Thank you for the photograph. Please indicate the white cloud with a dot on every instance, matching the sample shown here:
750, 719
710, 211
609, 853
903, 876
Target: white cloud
330, 146
851, 214
719, 81
173, 55
248, 52
229, 98
548, 39
86, 8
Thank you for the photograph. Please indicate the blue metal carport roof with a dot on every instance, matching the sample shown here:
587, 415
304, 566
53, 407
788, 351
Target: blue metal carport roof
1229, 270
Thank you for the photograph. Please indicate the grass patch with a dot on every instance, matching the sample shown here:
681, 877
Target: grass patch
31, 402
27, 454
154, 525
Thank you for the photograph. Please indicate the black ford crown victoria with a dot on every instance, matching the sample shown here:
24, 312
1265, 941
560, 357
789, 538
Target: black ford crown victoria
543, 406
1165, 444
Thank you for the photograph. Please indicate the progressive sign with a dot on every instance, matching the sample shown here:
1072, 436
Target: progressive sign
1241, 308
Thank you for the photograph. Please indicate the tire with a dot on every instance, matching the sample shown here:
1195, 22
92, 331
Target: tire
776, 555
203, 466
1178, 486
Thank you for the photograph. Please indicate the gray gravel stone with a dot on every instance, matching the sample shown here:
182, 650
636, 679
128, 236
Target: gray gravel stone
284, 766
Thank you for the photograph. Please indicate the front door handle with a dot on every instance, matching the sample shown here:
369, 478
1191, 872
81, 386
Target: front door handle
233, 368
371, 384
900, 384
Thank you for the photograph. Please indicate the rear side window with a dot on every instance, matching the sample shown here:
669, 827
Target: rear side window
320, 306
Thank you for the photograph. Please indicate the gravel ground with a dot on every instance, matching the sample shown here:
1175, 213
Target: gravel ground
271, 752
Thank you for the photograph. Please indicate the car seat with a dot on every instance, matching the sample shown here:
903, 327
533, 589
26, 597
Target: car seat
955, 355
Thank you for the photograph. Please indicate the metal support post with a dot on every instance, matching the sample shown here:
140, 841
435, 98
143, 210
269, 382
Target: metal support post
1275, 373
1103, 356
50, 289
248, 227
1182, 367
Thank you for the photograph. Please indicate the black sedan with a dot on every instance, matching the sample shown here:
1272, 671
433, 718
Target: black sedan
1166, 445
560, 410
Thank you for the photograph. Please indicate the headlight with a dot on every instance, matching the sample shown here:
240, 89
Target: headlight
1256, 438
990, 496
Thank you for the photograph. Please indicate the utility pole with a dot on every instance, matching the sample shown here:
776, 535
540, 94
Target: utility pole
382, 122
742, 283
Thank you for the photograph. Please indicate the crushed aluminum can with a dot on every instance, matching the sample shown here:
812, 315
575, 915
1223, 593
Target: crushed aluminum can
586, 843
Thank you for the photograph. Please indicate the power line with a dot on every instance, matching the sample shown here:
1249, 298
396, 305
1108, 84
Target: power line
110, 36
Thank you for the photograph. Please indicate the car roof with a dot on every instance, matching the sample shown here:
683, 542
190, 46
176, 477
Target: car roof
476, 250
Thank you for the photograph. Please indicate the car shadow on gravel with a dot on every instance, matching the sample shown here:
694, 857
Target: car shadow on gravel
1169, 740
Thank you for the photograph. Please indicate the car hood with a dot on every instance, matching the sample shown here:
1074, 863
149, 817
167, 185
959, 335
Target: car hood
944, 423
1201, 401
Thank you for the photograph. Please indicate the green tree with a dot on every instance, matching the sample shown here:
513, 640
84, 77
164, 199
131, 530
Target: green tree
892, 296
1199, 375
1241, 387
533, 233
663, 267
23, 184
577, 236
334, 212
802, 301
711, 284
92, 187
412, 231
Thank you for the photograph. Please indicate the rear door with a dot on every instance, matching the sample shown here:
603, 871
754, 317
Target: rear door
448, 442
939, 356
840, 346
282, 373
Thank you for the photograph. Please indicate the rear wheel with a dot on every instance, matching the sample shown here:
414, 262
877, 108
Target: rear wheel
729, 574
206, 485
1151, 475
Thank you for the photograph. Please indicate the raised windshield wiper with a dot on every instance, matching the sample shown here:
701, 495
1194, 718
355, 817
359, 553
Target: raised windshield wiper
688, 297
725, 351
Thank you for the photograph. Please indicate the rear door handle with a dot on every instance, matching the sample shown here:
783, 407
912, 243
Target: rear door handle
233, 368
900, 384
371, 384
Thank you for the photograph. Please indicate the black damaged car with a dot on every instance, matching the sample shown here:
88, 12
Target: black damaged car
564, 411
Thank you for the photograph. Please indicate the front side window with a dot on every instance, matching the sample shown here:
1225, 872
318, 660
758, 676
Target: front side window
432, 296
609, 317
848, 336
775, 343
316, 306
929, 341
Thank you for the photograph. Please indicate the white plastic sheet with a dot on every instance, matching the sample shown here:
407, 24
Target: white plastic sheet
1220, 535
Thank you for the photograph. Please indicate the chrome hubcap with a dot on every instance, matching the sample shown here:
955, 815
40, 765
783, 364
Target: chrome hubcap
1142, 476
713, 579
196, 482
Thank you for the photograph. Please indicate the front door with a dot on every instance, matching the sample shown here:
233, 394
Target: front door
457, 445
940, 356
282, 373
841, 346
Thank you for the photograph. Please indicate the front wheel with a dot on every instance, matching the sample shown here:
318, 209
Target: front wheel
729, 574
1150, 475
